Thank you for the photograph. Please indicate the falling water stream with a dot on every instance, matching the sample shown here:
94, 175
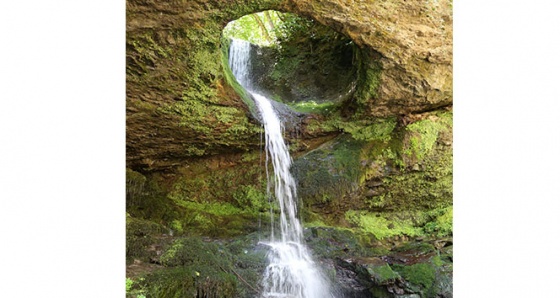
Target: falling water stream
291, 271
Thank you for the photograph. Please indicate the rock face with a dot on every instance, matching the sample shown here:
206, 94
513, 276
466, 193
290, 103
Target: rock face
180, 102
414, 40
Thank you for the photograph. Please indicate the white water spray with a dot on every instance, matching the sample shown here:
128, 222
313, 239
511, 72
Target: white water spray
291, 271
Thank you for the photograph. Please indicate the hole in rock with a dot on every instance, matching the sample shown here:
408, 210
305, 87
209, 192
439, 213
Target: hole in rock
295, 60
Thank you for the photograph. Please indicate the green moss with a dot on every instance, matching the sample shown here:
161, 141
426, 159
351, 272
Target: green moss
442, 225
199, 183
388, 179
139, 235
135, 288
222, 197
328, 172
313, 107
369, 78
382, 226
311, 67
193, 251
409, 183
182, 66
177, 226
151, 203
135, 183
190, 281
378, 129
418, 247
383, 274
217, 219
332, 242
436, 260
251, 156
419, 274
129, 283
431, 188
423, 137
201, 116
202, 268
250, 196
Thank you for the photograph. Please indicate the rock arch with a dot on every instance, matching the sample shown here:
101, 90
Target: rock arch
179, 104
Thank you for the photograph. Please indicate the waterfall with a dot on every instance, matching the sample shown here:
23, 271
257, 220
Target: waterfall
291, 271
239, 63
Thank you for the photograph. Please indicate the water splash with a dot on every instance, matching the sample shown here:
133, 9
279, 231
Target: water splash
291, 271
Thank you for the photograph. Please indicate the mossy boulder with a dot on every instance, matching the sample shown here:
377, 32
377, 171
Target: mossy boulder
406, 271
192, 267
140, 236
381, 165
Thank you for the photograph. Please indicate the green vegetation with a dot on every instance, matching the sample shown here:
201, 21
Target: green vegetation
313, 107
443, 223
373, 157
422, 137
135, 288
369, 74
377, 129
140, 234
328, 172
250, 196
189, 282
382, 226
129, 283
207, 268
332, 242
420, 274
217, 219
368, 71
199, 267
382, 274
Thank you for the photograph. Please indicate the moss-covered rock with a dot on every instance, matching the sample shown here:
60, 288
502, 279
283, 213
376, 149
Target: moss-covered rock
189, 281
140, 236
221, 197
331, 242
380, 165
191, 267
328, 172
412, 269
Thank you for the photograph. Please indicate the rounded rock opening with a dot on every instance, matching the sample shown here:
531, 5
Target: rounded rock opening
296, 61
